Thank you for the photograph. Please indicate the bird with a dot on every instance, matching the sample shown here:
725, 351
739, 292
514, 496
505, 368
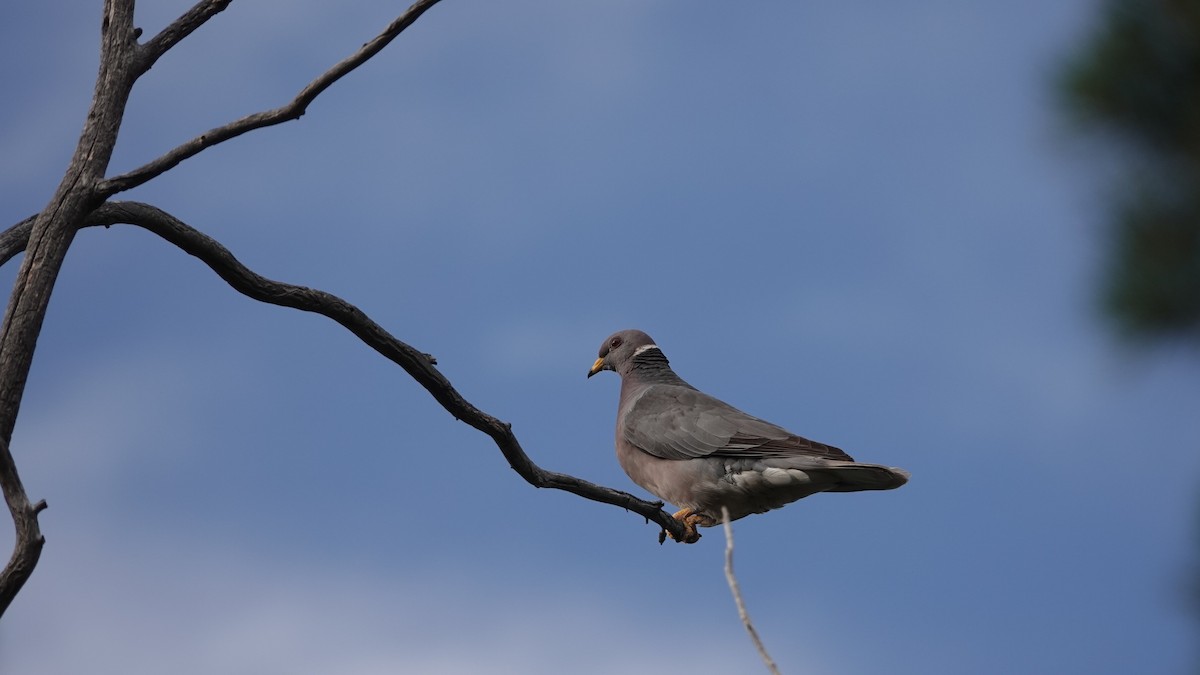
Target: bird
702, 454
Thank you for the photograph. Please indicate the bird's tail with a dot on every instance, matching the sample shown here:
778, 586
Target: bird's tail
854, 476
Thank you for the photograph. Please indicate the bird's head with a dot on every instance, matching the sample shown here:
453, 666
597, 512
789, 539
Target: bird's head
618, 350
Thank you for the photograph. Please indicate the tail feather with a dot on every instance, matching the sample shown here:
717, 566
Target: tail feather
853, 477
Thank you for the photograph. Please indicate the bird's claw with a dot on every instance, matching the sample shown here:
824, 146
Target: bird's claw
689, 521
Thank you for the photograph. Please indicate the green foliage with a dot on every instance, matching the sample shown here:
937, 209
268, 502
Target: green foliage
1153, 283
1136, 85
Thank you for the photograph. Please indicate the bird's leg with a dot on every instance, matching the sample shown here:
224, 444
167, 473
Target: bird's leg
689, 519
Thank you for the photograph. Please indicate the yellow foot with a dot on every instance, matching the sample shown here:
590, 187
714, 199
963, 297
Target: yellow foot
690, 520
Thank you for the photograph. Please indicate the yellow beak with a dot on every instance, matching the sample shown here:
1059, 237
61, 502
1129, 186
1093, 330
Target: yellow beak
596, 367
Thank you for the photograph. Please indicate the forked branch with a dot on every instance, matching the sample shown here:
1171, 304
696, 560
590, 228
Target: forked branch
79, 202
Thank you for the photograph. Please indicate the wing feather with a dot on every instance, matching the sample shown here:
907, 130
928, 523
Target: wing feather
678, 422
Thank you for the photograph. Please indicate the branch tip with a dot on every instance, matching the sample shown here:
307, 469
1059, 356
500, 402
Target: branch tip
40, 506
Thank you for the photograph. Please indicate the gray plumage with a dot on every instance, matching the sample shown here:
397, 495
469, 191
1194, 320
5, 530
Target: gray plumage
700, 453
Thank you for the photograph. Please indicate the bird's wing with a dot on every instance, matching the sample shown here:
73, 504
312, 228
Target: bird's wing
675, 422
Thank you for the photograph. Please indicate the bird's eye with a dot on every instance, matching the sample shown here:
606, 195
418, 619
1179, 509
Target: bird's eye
615, 342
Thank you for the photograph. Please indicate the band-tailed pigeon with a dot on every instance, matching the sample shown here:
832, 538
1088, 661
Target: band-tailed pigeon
699, 453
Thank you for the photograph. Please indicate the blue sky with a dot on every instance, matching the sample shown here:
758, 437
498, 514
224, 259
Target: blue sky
863, 221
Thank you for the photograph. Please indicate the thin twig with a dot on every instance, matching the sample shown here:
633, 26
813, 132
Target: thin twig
266, 118
737, 595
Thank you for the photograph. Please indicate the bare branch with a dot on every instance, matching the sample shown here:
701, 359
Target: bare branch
182, 27
416, 363
292, 111
15, 239
737, 596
